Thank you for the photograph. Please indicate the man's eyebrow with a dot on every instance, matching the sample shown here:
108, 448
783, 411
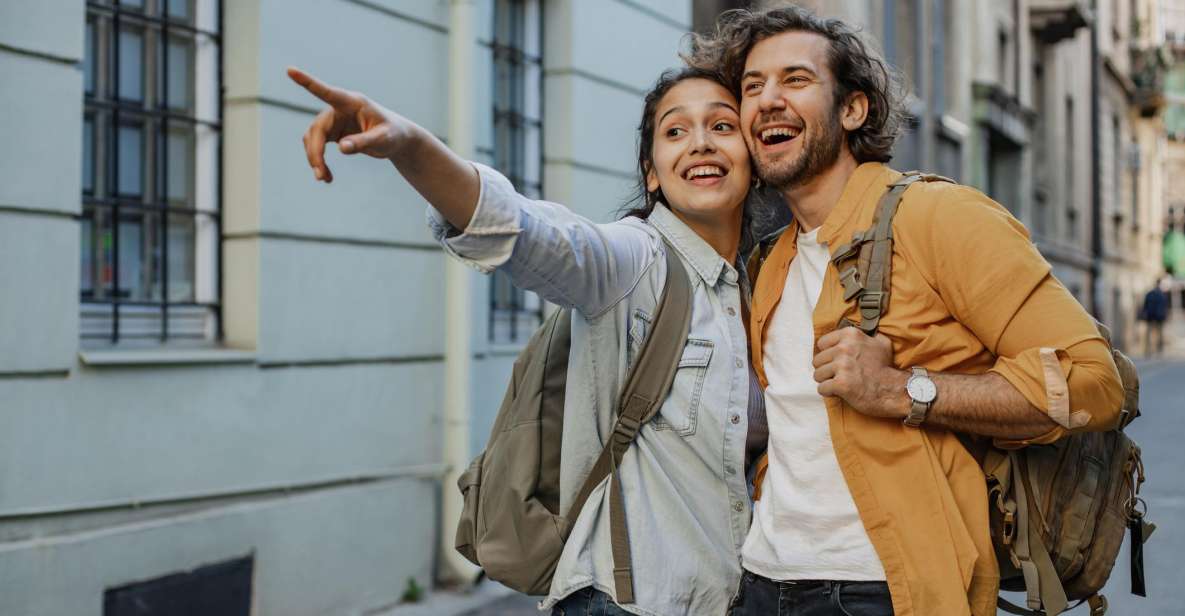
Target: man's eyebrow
792, 68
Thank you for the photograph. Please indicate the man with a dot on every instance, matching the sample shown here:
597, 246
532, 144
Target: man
1154, 312
859, 511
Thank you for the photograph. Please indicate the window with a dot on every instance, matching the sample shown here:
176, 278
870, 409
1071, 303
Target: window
517, 45
151, 197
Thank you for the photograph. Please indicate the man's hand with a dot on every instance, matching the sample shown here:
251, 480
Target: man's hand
356, 123
859, 369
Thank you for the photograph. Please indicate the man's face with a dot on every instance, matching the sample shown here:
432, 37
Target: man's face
789, 115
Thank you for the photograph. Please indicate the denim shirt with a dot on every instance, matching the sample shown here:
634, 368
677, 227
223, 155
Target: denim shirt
686, 499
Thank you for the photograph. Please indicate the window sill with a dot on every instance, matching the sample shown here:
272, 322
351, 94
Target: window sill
164, 356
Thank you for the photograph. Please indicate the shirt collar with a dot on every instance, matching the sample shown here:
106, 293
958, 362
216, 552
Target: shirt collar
866, 178
703, 258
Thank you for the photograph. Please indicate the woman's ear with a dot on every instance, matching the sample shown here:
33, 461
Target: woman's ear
651, 179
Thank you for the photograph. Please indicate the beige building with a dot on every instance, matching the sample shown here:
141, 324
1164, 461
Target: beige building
1003, 99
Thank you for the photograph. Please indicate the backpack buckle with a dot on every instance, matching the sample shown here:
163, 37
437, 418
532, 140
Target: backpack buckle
851, 283
870, 303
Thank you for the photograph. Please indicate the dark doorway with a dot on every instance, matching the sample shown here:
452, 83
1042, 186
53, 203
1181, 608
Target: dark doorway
222, 589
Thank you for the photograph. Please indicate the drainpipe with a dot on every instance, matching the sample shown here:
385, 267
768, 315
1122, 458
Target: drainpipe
453, 567
1096, 202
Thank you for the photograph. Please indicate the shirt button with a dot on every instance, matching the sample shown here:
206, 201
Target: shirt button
738, 506
740, 363
731, 312
730, 470
735, 419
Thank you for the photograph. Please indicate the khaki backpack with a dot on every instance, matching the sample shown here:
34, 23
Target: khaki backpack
511, 523
1059, 511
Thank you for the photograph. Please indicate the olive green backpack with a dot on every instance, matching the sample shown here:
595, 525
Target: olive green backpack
1058, 511
511, 524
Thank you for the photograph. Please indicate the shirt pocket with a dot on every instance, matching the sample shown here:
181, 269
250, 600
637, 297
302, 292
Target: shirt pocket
680, 411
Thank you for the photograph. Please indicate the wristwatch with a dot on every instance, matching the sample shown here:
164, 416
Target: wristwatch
922, 391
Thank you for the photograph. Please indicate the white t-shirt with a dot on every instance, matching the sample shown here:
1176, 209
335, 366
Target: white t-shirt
805, 526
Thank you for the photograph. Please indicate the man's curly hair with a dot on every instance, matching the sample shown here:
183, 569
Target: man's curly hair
856, 67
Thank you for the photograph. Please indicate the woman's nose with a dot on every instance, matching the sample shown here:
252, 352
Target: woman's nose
701, 141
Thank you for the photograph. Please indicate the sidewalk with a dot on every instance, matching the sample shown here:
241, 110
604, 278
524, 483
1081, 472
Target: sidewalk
1174, 339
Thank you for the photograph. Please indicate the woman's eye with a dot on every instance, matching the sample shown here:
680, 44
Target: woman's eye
722, 126
674, 132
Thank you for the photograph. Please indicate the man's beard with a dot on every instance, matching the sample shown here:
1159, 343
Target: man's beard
817, 154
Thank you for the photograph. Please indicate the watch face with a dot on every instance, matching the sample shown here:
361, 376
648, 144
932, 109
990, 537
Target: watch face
921, 389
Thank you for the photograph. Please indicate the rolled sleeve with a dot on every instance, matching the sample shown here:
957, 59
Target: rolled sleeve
1046, 344
1076, 383
489, 239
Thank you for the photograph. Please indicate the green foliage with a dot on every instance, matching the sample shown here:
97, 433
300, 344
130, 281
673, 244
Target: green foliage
414, 593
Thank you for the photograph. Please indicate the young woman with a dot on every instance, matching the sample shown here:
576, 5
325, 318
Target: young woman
686, 497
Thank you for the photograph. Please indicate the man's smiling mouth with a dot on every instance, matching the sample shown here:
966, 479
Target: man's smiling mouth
778, 134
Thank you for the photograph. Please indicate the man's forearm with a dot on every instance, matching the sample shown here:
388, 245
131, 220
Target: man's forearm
985, 404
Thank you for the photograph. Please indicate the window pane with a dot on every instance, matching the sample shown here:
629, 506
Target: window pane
178, 9
88, 154
88, 61
179, 174
180, 74
87, 228
131, 65
136, 4
181, 258
130, 159
104, 252
138, 249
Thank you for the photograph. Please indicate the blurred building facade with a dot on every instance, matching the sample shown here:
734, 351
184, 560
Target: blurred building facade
1002, 100
219, 375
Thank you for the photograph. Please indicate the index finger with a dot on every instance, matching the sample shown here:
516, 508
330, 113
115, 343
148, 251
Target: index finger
829, 339
334, 96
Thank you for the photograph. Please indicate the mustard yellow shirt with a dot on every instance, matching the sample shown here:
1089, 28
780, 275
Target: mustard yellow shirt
969, 294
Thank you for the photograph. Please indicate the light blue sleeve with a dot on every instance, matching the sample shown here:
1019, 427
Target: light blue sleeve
546, 248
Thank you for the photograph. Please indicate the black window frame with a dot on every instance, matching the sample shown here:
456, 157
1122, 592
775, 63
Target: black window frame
509, 304
105, 109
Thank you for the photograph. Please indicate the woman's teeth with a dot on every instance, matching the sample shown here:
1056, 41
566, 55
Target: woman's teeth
703, 171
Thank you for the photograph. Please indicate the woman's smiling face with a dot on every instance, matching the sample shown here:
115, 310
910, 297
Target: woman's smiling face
699, 159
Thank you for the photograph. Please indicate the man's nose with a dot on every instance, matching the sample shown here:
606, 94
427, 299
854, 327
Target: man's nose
771, 99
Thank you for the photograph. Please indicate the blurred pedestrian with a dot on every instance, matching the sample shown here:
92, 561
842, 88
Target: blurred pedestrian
1153, 313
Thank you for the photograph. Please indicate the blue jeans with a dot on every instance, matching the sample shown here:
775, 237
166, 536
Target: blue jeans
759, 596
588, 602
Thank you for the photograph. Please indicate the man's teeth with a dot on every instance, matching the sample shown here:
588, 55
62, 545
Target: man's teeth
780, 131
703, 171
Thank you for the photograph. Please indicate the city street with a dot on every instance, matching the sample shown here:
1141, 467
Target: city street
1161, 435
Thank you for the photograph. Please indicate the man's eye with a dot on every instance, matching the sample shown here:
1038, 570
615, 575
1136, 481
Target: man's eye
796, 80
752, 86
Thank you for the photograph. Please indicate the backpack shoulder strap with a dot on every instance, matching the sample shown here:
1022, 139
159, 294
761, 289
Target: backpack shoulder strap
645, 389
867, 280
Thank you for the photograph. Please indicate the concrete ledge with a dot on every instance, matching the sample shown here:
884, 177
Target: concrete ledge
165, 356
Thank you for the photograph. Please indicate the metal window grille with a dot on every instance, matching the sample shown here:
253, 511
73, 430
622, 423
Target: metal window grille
152, 182
516, 46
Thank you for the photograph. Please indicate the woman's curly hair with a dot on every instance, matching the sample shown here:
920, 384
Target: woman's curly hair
856, 67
